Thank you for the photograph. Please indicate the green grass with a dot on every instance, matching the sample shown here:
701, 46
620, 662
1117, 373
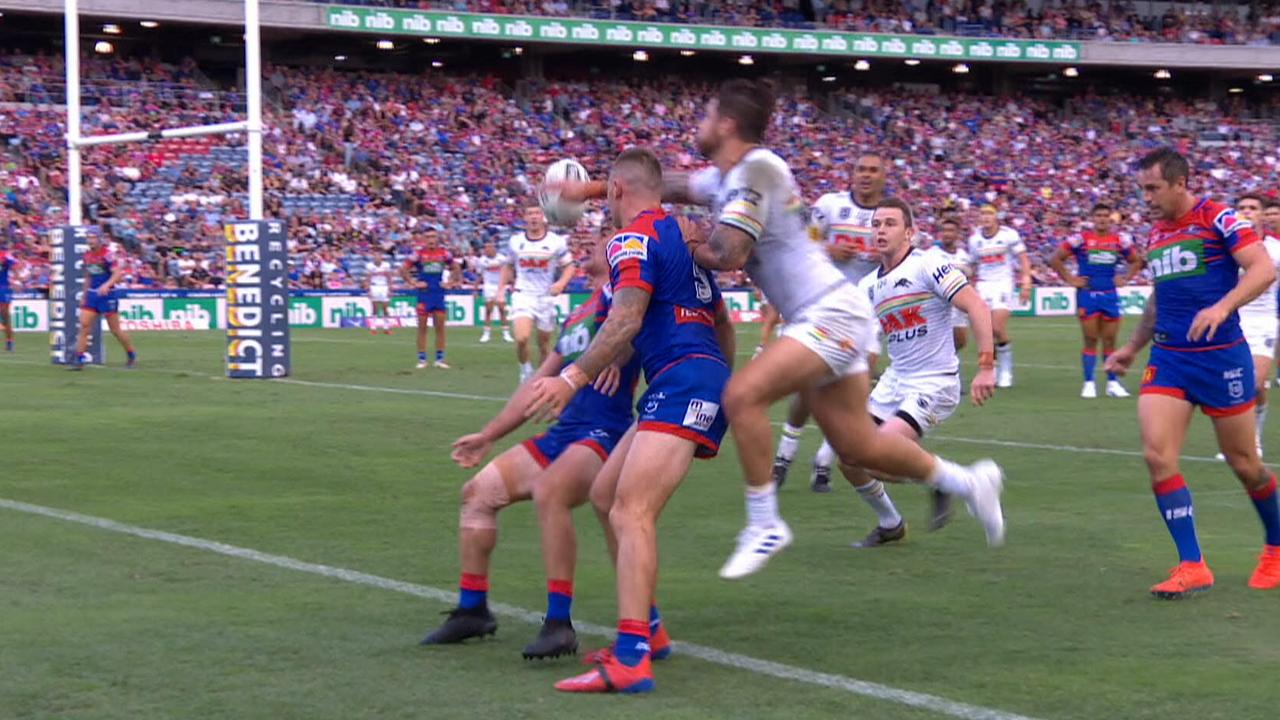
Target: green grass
101, 625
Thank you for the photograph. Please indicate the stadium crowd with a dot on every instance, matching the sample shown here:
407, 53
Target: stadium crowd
358, 163
1218, 24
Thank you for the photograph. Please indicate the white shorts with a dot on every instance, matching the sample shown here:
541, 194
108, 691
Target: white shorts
959, 318
924, 401
840, 328
490, 293
997, 295
379, 293
1261, 336
540, 308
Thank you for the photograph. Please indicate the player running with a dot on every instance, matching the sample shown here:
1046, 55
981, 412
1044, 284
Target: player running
495, 301
540, 266
1098, 253
914, 294
8, 265
842, 222
102, 274
425, 271
567, 457
377, 282
670, 310
994, 249
1200, 357
955, 254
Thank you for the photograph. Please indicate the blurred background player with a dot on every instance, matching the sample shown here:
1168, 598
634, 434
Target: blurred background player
378, 274
102, 273
950, 249
1200, 357
770, 320
995, 248
540, 265
8, 266
1098, 254
425, 271
495, 300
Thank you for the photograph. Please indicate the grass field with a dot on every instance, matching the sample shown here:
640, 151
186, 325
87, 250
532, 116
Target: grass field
347, 465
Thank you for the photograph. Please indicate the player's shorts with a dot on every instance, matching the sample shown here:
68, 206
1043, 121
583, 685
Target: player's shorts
959, 319
6, 296
490, 293
548, 446
1220, 380
430, 302
684, 400
101, 304
539, 308
1260, 334
923, 401
379, 293
840, 328
1098, 303
997, 295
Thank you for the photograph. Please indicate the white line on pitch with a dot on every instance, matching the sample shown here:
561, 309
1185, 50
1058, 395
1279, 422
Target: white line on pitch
709, 654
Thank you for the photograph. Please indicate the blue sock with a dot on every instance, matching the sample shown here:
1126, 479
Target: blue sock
655, 620
132, 355
1267, 502
1111, 377
632, 644
1174, 500
8, 345
473, 590
559, 599
422, 357
1089, 359
439, 356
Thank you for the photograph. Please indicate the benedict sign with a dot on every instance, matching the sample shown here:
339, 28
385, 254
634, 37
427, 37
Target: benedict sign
257, 300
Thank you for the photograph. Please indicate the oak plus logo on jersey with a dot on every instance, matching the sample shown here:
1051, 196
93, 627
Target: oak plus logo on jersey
903, 318
1177, 260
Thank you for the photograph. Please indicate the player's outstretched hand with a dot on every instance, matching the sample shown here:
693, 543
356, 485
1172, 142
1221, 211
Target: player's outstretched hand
983, 387
1206, 323
1120, 360
568, 190
608, 381
550, 396
470, 450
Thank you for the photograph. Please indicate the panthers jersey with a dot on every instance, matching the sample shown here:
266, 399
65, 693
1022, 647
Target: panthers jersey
1262, 308
576, 334
913, 303
1190, 260
994, 256
759, 197
958, 258
538, 263
99, 263
1099, 256
491, 269
429, 266
837, 219
379, 274
650, 254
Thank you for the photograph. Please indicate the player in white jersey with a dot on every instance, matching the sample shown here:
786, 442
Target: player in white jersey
995, 249
915, 292
841, 221
539, 265
491, 265
377, 282
950, 249
1258, 316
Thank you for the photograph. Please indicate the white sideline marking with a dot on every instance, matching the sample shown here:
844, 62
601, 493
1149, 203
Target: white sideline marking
395, 391
702, 652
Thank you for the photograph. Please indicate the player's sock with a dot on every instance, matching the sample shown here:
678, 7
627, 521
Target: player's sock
473, 590
439, 356
790, 441
633, 642
762, 506
559, 599
1173, 497
1267, 502
422, 356
1111, 377
1004, 355
951, 478
8, 346
874, 494
131, 355
655, 620
1089, 361
826, 455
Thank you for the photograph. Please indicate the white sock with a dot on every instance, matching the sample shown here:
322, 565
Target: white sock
826, 455
790, 441
526, 367
1261, 412
951, 478
874, 494
1004, 355
762, 506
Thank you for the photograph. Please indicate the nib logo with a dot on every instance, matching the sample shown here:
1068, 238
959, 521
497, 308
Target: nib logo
351, 309
138, 312
1178, 260
24, 319
193, 313
305, 315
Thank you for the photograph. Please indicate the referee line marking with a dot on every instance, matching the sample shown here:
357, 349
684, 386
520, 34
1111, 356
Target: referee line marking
735, 661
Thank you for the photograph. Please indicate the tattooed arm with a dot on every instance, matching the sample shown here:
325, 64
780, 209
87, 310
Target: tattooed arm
726, 250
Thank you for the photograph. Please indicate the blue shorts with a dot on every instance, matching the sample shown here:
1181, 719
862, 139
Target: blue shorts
548, 446
684, 400
1092, 303
6, 296
101, 304
430, 302
1219, 380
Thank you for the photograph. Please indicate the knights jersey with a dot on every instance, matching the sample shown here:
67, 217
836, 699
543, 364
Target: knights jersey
837, 219
913, 304
576, 334
7, 263
1260, 309
994, 256
379, 274
538, 263
491, 269
1099, 256
429, 266
1191, 263
99, 263
679, 323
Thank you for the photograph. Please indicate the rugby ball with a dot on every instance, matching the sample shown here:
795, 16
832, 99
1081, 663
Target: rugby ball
559, 212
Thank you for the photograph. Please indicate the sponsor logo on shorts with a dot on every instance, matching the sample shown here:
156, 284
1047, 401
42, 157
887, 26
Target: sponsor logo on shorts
701, 414
823, 336
655, 400
1149, 375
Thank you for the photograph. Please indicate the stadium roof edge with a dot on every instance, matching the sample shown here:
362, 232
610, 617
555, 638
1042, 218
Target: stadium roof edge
606, 33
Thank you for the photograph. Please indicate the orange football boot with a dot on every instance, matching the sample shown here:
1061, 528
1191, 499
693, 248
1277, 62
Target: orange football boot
1267, 574
612, 676
1184, 580
659, 648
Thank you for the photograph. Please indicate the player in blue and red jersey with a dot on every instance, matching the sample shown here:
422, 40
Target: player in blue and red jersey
7, 264
556, 467
102, 273
425, 272
1196, 250
1098, 253
670, 310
